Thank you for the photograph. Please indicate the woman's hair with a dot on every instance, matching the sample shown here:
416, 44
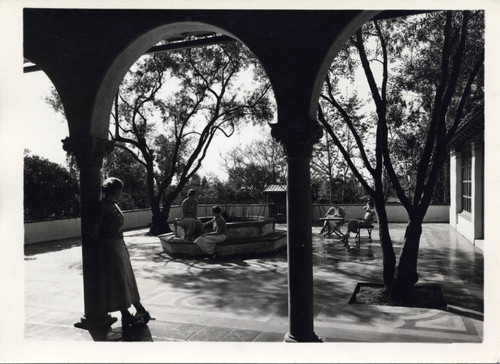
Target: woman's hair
191, 192
111, 184
216, 209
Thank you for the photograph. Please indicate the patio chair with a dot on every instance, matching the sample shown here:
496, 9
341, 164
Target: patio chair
336, 224
368, 225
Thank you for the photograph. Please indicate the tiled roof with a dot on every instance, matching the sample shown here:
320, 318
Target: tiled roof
472, 127
275, 188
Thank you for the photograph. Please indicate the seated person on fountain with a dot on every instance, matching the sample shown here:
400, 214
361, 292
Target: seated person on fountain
334, 211
192, 226
207, 242
354, 224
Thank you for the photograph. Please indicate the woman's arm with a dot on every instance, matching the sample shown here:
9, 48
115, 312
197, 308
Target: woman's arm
218, 229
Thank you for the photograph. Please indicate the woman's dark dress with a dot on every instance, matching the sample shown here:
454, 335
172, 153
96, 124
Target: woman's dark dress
119, 287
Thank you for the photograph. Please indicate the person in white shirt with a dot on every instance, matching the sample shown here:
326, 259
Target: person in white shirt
354, 224
207, 242
333, 212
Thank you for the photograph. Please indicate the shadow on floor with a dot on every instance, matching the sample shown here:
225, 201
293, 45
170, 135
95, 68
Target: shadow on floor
120, 334
51, 246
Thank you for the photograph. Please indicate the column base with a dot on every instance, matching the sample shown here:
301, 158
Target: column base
289, 338
96, 322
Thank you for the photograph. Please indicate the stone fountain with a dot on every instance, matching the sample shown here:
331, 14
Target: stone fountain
246, 238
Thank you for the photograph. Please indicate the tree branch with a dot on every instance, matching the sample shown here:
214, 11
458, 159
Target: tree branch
350, 125
342, 150
423, 165
464, 97
131, 152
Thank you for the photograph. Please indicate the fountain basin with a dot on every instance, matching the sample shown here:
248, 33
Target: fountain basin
245, 238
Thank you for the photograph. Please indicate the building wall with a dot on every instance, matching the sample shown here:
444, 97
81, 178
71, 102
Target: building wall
57, 229
468, 224
465, 226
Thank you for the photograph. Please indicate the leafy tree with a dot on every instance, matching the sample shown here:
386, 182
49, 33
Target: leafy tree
343, 119
49, 189
170, 106
254, 167
330, 172
213, 190
445, 71
429, 79
122, 165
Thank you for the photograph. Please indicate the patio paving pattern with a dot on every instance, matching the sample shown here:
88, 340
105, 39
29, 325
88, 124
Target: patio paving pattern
245, 300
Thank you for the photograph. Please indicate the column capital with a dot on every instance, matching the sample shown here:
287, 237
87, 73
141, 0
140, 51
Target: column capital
297, 139
89, 151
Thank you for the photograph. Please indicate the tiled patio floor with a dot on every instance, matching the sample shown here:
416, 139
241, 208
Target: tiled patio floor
245, 300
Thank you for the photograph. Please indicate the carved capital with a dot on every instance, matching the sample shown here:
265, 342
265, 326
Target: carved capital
88, 151
297, 139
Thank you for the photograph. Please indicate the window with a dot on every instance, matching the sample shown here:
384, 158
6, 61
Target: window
467, 180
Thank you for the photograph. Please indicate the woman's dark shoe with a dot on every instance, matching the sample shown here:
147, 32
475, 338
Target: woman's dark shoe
129, 322
145, 317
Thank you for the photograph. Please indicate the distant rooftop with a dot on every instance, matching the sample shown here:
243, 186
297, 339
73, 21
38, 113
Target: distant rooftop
275, 188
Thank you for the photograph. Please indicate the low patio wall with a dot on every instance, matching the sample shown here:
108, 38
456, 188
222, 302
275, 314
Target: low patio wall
395, 213
57, 229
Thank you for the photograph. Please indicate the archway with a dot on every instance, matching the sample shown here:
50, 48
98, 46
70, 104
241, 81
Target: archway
281, 40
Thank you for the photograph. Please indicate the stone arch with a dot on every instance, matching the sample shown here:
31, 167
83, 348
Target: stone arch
118, 69
355, 24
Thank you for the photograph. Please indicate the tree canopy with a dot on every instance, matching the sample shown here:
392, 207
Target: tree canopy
50, 191
253, 167
424, 78
170, 106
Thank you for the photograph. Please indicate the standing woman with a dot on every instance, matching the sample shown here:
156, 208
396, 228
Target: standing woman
118, 285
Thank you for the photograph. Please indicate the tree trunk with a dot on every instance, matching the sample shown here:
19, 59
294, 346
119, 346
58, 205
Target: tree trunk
159, 224
406, 275
389, 257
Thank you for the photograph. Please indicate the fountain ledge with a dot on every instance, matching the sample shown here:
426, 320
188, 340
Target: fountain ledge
247, 238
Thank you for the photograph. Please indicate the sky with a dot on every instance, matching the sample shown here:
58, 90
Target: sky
44, 128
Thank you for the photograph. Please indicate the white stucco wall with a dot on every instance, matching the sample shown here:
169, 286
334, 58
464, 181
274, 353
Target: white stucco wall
49, 230
465, 226
395, 213
57, 229
39, 231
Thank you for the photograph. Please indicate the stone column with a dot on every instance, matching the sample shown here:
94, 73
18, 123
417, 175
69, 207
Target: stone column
89, 153
298, 140
455, 185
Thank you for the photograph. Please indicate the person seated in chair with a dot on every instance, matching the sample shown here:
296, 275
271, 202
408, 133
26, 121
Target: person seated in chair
354, 224
333, 212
